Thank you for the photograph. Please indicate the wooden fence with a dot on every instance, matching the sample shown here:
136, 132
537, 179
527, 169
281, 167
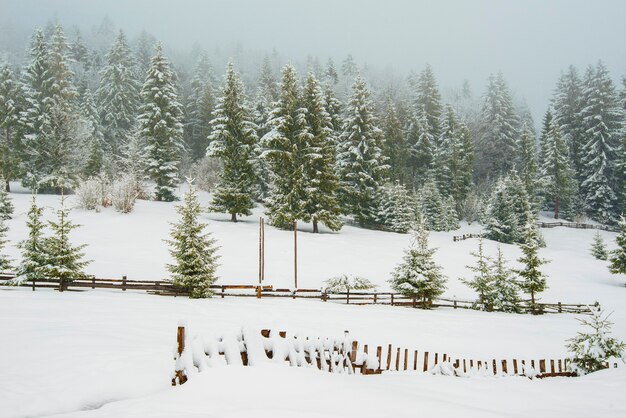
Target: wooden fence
165, 288
577, 225
466, 236
343, 355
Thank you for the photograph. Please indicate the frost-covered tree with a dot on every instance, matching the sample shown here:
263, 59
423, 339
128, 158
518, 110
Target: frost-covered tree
533, 280
160, 120
504, 295
483, 280
11, 104
284, 149
64, 261
194, 251
144, 48
428, 98
331, 72
499, 128
94, 138
618, 256
118, 94
598, 248
200, 105
508, 210
362, 167
418, 276
528, 164
602, 118
349, 69
322, 182
397, 208
6, 205
233, 141
334, 108
394, 144
34, 260
557, 175
431, 207
6, 263
592, 349
346, 283
421, 145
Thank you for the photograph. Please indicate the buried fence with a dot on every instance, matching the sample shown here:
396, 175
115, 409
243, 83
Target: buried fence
166, 288
252, 347
574, 225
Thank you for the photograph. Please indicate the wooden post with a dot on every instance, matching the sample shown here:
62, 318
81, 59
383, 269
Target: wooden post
436, 358
398, 359
495, 366
347, 295
415, 360
223, 289
532, 364
515, 370
445, 356
560, 366
455, 304
504, 368
560, 308
414, 302
375, 298
542, 366
552, 369
295, 254
379, 355
426, 361
33, 284
392, 299
180, 376
464, 366
355, 347
124, 283
471, 364
406, 358
93, 282
389, 358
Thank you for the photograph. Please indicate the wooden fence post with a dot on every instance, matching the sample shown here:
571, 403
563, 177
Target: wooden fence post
347, 295
180, 376
392, 299
379, 355
495, 366
33, 284
223, 289
436, 358
542, 366
375, 298
415, 360
515, 370
93, 282
426, 361
560, 308
406, 358
124, 283
552, 369
398, 359
504, 367
389, 357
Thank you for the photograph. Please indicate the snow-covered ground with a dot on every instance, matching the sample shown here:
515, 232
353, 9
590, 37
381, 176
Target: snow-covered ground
108, 353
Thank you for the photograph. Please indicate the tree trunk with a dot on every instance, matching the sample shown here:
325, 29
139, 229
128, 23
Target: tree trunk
315, 228
556, 207
233, 217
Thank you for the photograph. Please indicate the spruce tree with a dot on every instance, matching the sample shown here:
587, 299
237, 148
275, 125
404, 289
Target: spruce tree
11, 105
64, 262
598, 248
33, 248
95, 139
6, 206
200, 105
504, 295
602, 120
418, 276
618, 256
529, 168
421, 145
592, 350
194, 251
5, 262
557, 174
508, 210
431, 207
161, 127
533, 280
396, 208
428, 98
233, 140
394, 144
320, 174
284, 148
331, 72
483, 281
362, 166
118, 94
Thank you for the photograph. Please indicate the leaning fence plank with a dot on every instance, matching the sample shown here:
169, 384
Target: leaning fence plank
415, 360
389, 357
426, 361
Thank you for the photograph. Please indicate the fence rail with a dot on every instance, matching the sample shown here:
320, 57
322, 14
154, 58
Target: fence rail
577, 225
165, 288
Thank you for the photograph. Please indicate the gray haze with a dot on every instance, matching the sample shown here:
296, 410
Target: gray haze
530, 41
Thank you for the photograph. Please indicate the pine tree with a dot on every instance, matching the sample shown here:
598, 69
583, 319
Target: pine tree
321, 179
598, 248
421, 145
428, 98
194, 251
618, 256
529, 167
34, 260
144, 49
504, 295
418, 276
557, 174
284, 148
602, 120
199, 109
483, 280
450, 215
95, 139
118, 94
11, 103
396, 208
394, 144
432, 209
334, 109
496, 145
6, 206
331, 72
5, 262
533, 279
160, 124
592, 350
349, 68
362, 166
64, 262
233, 140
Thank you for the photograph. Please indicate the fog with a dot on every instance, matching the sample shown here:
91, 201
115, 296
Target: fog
530, 41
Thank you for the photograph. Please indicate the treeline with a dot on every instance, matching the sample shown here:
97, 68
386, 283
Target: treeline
310, 148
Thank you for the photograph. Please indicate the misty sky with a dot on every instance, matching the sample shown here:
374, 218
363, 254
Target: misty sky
530, 40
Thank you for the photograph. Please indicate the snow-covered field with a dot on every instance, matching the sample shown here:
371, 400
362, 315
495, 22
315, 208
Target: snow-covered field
108, 353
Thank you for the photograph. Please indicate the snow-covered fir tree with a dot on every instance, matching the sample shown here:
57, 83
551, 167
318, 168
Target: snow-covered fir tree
144, 48
508, 210
362, 166
160, 120
64, 261
618, 256
533, 280
94, 138
233, 141
418, 276
346, 283
285, 150
431, 206
602, 118
334, 108
331, 72
397, 208
322, 182
11, 104
394, 144
428, 99
118, 94
421, 145
6, 264
496, 145
33, 248
593, 348
483, 280
194, 251
504, 295
6, 205
557, 175
598, 248
528, 164
199, 108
